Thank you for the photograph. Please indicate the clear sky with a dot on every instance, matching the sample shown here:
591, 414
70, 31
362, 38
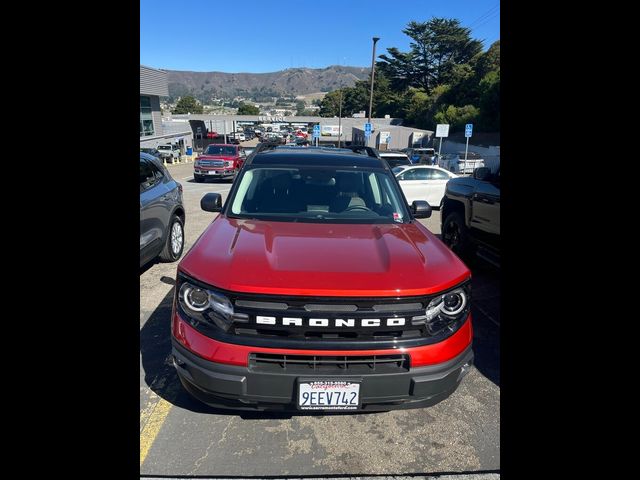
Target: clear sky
266, 36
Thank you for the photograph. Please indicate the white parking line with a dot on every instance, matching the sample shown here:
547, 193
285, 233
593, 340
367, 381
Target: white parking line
188, 178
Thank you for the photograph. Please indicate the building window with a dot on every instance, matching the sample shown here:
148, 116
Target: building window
146, 120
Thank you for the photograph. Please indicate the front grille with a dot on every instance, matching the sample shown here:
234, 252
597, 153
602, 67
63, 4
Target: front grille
342, 317
323, 323
341, 364
212, 163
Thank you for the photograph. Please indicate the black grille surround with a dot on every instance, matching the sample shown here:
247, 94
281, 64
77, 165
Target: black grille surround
321, 364
248, 306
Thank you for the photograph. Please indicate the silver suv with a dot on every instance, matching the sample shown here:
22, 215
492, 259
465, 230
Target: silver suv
169, 152
162, 213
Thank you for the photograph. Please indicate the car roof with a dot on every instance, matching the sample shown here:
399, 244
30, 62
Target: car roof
154, 160
315, 156
222, 144
413, 165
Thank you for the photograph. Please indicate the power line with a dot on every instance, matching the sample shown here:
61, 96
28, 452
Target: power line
487, 20
481, 17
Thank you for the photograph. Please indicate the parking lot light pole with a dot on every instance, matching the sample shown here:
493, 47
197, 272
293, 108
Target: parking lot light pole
340, 120
373, 71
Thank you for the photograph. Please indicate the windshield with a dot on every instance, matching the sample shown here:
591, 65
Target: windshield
219, 150
397, 170
318, 194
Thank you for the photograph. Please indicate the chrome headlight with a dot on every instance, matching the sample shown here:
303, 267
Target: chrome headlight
205, 305
448, 309
228, 163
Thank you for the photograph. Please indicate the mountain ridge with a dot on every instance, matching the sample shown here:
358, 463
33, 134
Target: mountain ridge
289, 82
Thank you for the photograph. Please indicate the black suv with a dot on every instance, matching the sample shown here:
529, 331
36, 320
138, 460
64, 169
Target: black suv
162, 213
471, 215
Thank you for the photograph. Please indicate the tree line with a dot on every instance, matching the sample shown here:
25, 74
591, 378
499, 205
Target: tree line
445, 77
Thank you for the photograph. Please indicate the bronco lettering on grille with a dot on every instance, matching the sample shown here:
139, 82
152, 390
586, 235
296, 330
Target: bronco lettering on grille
333, 323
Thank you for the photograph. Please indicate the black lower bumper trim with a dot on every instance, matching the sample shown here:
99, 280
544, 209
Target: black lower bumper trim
233, 387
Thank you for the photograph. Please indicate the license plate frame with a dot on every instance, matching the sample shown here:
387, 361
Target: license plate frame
332, 394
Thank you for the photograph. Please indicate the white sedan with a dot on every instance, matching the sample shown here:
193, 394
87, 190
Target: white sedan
423, 182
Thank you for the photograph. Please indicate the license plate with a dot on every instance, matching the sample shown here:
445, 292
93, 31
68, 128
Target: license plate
328, 395
212, 172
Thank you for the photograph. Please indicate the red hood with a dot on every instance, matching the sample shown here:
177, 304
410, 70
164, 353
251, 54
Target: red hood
322, 259
217, 157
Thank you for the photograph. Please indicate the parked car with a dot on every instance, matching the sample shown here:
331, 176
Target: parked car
422, 182
219, 161
422, 155
273, 137
237, 136
162, 213
456, 163
317, 289
471, 215
169, 152
394, 158
151, 151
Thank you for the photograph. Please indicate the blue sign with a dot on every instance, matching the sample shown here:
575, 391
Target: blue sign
367, 130
468, 129
316, 131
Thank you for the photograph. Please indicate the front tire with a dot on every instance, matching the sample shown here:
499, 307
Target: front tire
174, 245
455, 234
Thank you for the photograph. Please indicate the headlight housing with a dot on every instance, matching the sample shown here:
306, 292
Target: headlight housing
228, 163
448, 310
202, 304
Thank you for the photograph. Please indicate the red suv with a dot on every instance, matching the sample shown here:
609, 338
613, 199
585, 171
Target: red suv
315, 289
218, 161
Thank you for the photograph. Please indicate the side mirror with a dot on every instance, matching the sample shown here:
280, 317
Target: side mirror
482, 173
421, 209
211, 202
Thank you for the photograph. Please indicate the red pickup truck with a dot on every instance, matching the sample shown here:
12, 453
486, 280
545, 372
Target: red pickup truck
218, 161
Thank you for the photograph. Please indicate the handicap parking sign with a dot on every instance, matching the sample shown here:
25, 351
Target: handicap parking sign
468, 129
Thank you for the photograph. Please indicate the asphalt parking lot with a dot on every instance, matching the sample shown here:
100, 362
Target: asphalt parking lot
179, 436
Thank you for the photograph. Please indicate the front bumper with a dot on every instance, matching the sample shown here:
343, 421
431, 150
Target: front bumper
238, 387
213, 173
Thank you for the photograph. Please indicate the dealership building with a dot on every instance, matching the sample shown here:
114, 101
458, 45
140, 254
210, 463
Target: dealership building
387, 132
153, 131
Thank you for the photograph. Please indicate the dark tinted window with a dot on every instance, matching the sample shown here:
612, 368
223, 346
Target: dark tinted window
220, 150
157, 172
422, 173
147, 175
409, 175
438, 175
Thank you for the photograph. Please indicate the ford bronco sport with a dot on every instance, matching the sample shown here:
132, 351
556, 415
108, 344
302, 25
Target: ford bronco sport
316, 289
